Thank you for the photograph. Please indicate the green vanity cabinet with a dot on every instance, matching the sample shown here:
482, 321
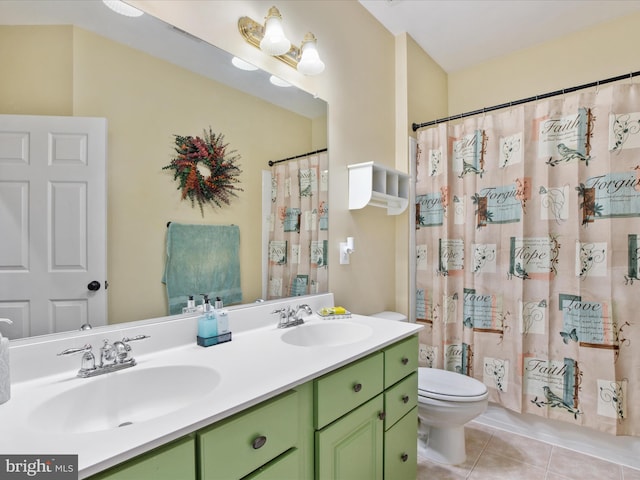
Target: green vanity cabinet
372, 436
174, 460
356, 422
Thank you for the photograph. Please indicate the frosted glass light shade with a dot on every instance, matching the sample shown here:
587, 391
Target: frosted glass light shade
310, 63
123, 8
243, 65
278, 82
274, 41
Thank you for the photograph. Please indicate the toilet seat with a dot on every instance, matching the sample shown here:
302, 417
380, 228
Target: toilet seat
449, 386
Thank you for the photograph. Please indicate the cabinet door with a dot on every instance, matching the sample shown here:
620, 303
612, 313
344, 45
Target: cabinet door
169, 462
401, 449
352, 447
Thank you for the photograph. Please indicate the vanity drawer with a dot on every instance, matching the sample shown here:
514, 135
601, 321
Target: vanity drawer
400, 360
236, 447
340, 392
399, 399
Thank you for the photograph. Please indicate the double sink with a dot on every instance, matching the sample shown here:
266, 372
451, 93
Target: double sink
139, 394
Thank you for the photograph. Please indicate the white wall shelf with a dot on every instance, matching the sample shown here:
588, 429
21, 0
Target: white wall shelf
378, 186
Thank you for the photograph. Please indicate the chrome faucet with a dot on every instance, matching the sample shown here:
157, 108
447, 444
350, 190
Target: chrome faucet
113, 357
290, 317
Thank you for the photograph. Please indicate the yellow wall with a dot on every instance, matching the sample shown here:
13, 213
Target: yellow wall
606, 50
39, 83
146, 101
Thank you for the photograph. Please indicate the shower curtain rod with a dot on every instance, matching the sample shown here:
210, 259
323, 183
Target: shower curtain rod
273, 162
416, 126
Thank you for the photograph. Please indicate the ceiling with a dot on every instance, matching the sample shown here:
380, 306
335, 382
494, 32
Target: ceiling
459, 34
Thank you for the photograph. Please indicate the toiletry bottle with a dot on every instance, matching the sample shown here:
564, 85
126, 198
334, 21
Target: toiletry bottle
222, 317
191, 305
5, 379
207, 324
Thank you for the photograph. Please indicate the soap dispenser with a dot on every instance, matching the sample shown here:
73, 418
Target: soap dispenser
207, 325
5, 379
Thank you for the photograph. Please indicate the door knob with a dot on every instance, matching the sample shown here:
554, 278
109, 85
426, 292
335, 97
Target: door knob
94, 286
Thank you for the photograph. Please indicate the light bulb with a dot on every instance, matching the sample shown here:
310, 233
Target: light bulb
310, 63
274, 41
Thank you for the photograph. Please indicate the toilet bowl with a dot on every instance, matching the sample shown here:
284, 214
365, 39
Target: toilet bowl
446, 402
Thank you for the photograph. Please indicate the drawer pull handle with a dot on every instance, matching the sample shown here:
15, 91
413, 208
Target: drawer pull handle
381, 415
405, 399
259, 442
404, 360
357, 387
404, 457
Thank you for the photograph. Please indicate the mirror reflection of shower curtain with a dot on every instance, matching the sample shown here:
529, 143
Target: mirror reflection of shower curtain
298, 235
527, 255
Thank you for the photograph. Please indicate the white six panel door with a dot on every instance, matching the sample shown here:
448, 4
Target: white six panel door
52, 223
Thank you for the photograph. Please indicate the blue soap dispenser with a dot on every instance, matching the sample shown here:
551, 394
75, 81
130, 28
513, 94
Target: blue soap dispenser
207, 325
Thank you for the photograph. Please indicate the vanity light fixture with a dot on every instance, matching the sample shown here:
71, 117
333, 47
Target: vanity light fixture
122, 8
270, 38
346, 249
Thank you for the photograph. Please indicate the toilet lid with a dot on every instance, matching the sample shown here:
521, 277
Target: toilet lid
448, 384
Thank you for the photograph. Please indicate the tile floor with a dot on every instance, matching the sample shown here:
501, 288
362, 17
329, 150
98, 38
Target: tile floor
494, 454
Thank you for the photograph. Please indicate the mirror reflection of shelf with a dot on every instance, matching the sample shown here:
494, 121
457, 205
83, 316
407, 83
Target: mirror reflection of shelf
378, 186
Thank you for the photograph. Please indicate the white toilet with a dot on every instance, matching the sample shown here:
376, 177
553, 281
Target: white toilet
446, 402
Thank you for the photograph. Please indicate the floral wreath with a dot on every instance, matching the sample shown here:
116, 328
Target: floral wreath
207, 173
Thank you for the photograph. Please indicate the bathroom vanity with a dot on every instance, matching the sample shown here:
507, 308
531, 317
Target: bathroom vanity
326, 399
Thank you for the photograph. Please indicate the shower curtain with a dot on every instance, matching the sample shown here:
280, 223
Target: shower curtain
528, 254
299, 227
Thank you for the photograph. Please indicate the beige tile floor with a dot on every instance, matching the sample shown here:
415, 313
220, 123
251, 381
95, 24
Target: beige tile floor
494, 454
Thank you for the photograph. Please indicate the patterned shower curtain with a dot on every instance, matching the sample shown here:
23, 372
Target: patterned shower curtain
299, 227
528, 255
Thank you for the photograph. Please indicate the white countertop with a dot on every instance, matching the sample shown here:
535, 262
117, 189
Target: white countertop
254, 366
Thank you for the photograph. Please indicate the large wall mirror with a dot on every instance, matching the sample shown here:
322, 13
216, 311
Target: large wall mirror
152, 81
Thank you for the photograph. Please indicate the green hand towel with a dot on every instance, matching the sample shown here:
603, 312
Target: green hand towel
202, 259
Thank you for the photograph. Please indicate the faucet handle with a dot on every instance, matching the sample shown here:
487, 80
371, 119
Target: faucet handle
70, 351
133, 339
88, 363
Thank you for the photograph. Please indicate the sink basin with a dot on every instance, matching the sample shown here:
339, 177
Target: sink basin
329, 333
124, 398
